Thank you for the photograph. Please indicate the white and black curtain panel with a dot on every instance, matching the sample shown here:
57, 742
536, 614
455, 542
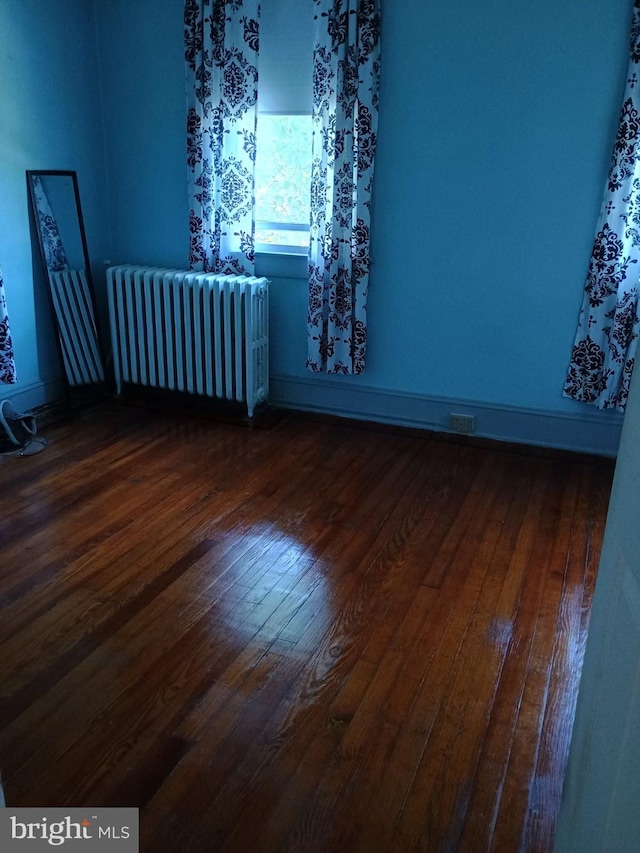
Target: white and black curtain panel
54, 253
221, 53
604, 349
7, 363
346, 70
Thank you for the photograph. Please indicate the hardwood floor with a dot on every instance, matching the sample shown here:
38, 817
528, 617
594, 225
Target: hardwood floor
311, 636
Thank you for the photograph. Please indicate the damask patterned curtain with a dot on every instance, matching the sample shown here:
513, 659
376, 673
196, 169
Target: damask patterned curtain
605, 345
346, 74
7, 363
221, 52
55, 256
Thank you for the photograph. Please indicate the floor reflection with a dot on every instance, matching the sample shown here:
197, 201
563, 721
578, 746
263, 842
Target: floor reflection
267, 585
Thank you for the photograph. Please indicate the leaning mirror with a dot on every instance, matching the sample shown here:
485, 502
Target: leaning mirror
55, 203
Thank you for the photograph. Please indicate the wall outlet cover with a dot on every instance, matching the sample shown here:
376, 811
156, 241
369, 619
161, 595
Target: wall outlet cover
464, 424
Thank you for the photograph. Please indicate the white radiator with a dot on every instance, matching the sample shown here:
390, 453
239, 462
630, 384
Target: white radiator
200, 333
78, 335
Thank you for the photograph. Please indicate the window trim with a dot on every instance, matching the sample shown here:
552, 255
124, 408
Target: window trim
281, 248
282, 265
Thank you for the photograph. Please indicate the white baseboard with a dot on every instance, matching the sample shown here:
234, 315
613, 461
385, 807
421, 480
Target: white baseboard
585, 432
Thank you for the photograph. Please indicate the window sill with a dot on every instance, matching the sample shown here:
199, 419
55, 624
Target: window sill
281, 265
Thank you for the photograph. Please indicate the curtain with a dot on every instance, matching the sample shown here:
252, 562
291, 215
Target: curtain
604, 349
346, 70
7, 363
55, 256
221, 53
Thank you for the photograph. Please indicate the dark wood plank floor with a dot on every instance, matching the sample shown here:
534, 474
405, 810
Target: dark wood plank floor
311, 636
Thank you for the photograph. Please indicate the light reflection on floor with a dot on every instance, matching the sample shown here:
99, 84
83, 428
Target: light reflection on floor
261, 583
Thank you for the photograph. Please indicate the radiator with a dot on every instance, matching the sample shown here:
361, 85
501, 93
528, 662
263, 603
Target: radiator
76, 325
198, 333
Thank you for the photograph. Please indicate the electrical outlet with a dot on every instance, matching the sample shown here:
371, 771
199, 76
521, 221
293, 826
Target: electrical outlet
461, 423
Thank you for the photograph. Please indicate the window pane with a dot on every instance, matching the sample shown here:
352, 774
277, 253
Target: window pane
283, 171
280, 237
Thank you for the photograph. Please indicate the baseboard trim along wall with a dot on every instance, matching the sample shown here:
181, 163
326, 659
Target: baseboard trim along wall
584, 432
25, 398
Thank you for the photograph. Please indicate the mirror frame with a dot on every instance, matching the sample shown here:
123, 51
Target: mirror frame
77, 395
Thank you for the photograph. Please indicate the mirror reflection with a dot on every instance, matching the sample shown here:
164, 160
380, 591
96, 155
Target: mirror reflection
57, 213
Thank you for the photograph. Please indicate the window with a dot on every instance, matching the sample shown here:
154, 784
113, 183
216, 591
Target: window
283, 180
283, 159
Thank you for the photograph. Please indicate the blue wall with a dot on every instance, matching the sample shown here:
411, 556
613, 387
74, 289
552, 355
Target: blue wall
496, 126
141, 55
50, 118
497, 121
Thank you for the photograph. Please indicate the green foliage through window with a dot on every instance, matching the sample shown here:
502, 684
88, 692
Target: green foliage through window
283, 179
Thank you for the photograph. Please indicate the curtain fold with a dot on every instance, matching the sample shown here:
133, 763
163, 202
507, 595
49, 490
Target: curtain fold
221, 53
7, 362
346, 71
604, 349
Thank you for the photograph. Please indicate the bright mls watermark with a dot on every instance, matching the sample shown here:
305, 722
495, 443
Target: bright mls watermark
105, 830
